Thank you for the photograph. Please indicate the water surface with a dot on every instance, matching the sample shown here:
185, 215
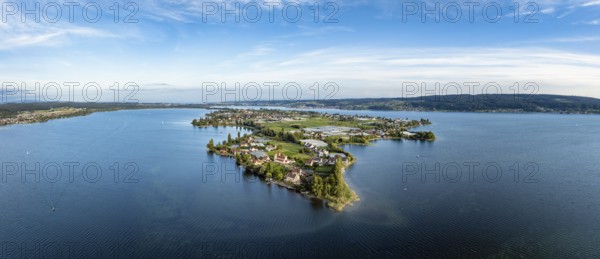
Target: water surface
543, 203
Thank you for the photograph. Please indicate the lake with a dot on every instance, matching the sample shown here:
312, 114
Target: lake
140, 184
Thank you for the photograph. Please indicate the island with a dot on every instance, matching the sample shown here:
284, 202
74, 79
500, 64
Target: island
300, 150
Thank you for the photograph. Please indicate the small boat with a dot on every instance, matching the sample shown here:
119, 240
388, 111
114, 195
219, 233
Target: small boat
53, 208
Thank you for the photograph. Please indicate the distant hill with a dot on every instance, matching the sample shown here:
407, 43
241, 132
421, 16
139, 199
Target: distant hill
462, 103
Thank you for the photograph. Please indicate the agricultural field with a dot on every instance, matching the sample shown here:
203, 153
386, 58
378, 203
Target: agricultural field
313, 122
289, 149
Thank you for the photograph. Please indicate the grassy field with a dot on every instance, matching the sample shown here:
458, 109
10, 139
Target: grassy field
312, 122
57, 112
290, 149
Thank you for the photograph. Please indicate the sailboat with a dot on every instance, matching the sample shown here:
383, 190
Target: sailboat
53, 208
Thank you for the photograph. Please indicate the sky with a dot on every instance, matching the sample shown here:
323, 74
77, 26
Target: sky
199, 51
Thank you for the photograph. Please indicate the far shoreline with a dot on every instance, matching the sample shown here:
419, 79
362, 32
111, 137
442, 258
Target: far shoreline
108, 107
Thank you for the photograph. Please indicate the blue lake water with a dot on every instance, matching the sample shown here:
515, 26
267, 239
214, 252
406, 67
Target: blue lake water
141, 184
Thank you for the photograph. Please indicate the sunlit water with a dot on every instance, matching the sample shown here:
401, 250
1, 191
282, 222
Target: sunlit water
491, 185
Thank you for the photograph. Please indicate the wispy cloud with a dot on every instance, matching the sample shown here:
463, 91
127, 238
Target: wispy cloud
18, 33
46, 36
593, 22
385, 69
591, 3
575, 39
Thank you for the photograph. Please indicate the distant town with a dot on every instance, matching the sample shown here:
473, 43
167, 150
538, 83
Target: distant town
300, 149
35, 112
43, 115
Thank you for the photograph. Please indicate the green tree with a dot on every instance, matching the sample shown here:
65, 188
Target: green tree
317, 185
339, 178
229, 140
211, 145
278, 172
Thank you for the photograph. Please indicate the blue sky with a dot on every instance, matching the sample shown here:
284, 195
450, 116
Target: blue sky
368, 48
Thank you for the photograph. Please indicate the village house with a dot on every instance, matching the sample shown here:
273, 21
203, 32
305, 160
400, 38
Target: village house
294, 176
255, 144
323, 152
256, 161
334, 156
270, 148
259, 157
310, 146
281, 159
259, 154
315, 161
297, 175
331, 161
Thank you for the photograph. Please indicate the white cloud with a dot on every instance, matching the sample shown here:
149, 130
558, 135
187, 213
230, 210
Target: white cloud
16, 33
47, 36
576, 39
381, 70
384, 70
591, 3
593, 22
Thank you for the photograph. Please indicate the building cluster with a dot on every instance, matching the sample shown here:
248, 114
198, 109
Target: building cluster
315, 143
30, 117
329, 159
257, 116
253, 146
19, 119
257, 148
322, 156
380, 127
